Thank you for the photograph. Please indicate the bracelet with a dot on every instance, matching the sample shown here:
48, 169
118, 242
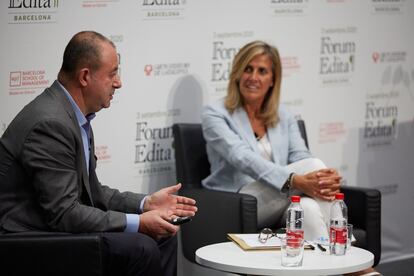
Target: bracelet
288, 184
289, 181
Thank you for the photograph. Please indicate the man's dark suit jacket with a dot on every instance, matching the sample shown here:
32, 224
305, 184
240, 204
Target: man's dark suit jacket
44, 184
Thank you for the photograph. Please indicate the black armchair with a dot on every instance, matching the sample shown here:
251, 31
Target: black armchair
51, 254
224, 212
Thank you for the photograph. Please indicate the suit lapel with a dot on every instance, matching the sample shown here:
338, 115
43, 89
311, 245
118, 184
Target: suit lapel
275, 142
92, 161
242, 122
60, 95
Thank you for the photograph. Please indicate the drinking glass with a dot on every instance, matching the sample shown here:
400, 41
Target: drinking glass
349, 228
292, 251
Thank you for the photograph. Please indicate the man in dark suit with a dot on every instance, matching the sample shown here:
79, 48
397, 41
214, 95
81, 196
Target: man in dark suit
47, 170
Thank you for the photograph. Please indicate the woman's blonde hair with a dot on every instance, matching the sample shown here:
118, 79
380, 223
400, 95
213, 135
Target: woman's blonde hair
269, 110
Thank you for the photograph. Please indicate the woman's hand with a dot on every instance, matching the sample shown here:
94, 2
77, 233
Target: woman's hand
322, 184
329, 182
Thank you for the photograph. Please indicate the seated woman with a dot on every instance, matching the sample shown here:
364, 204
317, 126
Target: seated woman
254, 145
251, 140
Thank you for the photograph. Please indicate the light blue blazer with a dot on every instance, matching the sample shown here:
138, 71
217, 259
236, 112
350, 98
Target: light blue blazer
234, 155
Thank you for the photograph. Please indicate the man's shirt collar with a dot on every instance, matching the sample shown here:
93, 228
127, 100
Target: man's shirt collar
82, 119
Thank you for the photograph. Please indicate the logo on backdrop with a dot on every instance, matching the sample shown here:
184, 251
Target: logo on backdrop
337, 55
380, 122
388, 7
222, 58
290, 65
331, 132
163, 9
32, 11
396, 76
148, 70
98, 3
166, 69
103, 153
27, 82
389, 56
288, 7
224, 47
381, 108
154, 143
337, 1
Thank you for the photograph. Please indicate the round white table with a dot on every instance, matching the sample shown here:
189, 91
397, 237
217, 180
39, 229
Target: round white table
229, 257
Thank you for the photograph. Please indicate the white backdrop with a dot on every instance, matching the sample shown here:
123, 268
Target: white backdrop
348, 72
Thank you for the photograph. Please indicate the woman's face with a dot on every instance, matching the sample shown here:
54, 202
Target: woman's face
256, 80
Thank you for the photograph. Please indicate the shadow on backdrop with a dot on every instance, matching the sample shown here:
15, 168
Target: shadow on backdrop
383, 157
184, 104
387, 165
187, 98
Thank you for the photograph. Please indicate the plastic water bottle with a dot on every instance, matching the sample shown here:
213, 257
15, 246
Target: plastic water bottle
337, 226
294, 234
294, 220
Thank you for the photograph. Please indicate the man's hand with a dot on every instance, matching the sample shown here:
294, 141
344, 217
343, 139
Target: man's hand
156, 224
165, 199
322, 184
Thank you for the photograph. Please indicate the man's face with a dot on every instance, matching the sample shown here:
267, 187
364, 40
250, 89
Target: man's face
103, 81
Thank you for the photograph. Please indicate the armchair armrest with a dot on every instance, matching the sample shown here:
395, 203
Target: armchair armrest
364, 212
51, 254
220, 213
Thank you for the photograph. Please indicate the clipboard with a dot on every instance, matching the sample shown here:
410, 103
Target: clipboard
247, 242
250, 242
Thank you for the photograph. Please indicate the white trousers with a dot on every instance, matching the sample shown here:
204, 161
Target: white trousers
316, 211
272, 205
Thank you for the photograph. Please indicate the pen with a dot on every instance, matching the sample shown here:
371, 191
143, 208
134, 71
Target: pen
309, 245
321, 247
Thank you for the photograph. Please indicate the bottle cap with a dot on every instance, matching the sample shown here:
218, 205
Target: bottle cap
339, 196
295, 198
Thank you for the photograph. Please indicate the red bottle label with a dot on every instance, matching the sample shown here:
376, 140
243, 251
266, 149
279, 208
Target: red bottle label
294, 238
338, 235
